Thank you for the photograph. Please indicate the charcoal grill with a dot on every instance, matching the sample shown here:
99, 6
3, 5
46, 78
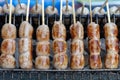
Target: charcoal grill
52, 74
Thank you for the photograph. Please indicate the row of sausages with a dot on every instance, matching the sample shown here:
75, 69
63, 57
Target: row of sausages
60, 59
37, 9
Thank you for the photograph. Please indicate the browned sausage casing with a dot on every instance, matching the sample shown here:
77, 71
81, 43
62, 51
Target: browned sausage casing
95, 61
25, 60
95, 58
60, 61
7, 61
25, 45
112, 60
42, 62
59, 46
25, 30
94, 46
58, 30
93, 30
8, 31
112, 43
77, 31
42, 33
112, 48
77, 61
8, 46
77, 46
43, 48
111, 30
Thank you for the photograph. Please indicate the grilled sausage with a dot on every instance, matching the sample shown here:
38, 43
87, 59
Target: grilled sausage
95, 58
25, 60
112, 43
77, 31
111, 30
42, 62
112, 60
25, 45
58, 30
95, 61
6, 9
19, 10
8, 31
37, 10
51, 11
59, 46
7, 61
112, 48
93, 30
68, 11
25, 30
85, 11
77, 61
94, 46
8, 46
77, 46
43, 33
43, 48
60, 61
96, 11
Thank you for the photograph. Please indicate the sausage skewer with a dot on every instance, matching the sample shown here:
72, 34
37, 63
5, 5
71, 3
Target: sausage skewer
42, 60
59, 30
20, 8
93, 30
67, 9
7, 59
82, 10
37, 8
6, 8
25, 43
77, 45
60, 58
51, 9
112, 57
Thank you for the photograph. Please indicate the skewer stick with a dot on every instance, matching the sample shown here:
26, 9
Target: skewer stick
73, 6
19, 4
6, 1
90, 11
61, 10
10, 12
53, 4
102, 6
43, 12
66, 5
27, 14
108, 12
36, 4
82, 8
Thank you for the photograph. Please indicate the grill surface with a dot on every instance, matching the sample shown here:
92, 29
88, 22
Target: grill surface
52, 74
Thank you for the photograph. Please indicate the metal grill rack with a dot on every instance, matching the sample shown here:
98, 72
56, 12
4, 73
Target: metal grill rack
68, 74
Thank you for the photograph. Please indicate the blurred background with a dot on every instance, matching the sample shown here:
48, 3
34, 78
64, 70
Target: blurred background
78, 3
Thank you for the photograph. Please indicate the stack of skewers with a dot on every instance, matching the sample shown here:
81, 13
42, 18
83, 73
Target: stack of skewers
8, 45
25, 43
59, 45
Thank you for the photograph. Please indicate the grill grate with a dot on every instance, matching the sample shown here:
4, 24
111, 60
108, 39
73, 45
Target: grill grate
21, 75
52, 74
